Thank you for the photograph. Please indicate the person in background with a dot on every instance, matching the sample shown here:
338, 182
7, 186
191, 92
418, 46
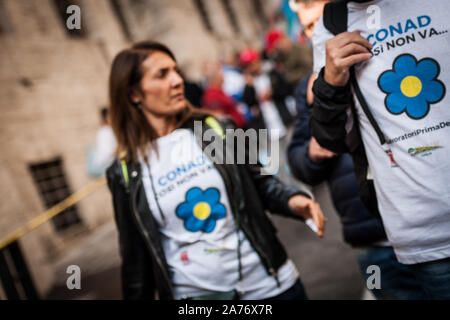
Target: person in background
215, 99
258, 95
234, 83
102, 155
281, 88
294, 59
250, 65
233, 80
314, 164
193, 91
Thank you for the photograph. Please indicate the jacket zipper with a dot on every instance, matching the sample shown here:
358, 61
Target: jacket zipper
271, 269
152, 248
261, 253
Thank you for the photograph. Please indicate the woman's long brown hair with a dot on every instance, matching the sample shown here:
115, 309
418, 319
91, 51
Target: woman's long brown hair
130, 126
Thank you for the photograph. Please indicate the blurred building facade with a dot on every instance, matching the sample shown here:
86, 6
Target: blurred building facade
53, 83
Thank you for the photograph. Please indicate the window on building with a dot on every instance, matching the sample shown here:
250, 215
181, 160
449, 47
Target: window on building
118, 11
231, 15
5, 21
259, 12
61, 8
52, 185
200, 5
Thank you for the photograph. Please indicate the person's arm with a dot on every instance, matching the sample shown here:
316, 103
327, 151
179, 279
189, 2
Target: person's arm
285, 200
333, 56
329, 115
308, 161
276, 196
136, 269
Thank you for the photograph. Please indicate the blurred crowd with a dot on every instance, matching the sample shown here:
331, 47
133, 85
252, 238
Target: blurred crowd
255, 88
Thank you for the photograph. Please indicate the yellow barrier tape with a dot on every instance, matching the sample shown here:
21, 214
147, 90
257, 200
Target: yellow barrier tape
53, 211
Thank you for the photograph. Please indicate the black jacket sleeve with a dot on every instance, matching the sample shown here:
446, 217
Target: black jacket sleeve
273, 193
298, 150
329, 114
249, 96
136, 269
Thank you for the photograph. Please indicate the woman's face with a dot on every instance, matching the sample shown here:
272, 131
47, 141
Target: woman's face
162, 89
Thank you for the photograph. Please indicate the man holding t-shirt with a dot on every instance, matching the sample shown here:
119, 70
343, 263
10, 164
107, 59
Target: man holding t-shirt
395, 120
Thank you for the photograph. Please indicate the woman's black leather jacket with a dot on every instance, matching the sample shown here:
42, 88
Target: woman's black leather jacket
144, 269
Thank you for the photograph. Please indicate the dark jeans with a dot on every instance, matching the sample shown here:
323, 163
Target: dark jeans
434, 277
423, 281
398, 281
296, 292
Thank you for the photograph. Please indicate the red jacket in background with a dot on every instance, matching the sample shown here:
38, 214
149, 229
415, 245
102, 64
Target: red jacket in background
215, 99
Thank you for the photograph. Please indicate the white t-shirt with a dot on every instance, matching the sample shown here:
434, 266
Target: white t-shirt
197, 227
233, 82
106, 146
404, 84
268, 107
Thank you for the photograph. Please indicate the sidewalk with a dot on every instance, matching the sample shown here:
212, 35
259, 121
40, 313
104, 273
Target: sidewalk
99, 262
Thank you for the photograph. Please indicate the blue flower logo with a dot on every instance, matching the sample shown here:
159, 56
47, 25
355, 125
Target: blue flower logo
201, 209
412, 86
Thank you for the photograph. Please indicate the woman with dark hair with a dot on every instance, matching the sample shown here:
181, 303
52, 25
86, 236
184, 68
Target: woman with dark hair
190, 227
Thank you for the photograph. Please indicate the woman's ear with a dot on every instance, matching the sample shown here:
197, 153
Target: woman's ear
135, 96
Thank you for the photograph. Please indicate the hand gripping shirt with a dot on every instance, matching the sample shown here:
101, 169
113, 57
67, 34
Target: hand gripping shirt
405, 85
